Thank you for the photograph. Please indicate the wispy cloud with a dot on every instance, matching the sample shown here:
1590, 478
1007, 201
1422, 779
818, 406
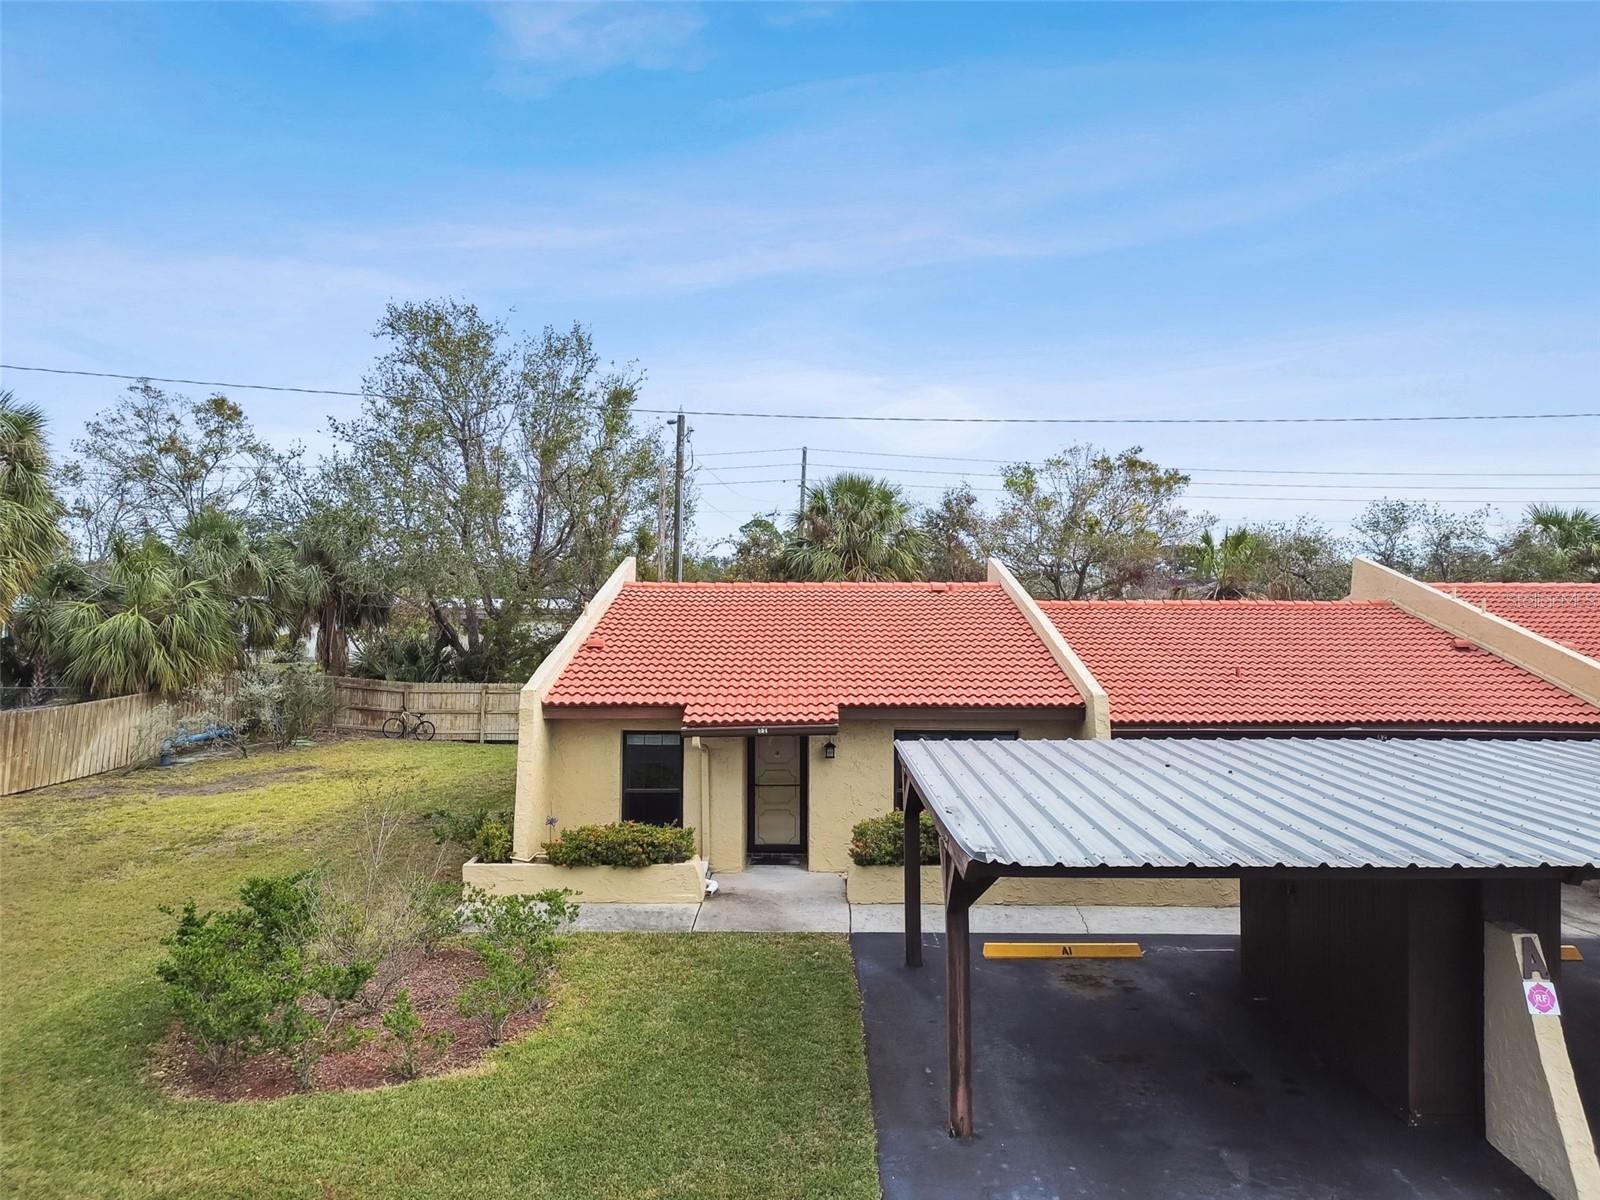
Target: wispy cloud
856, 196
543, 44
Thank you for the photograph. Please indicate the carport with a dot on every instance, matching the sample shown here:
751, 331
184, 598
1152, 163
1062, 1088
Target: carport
1369, 872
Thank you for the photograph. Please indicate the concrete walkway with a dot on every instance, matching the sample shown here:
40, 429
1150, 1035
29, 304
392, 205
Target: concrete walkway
793, 900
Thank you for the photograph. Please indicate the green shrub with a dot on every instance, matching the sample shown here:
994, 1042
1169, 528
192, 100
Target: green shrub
485, 834
412, 1048
880, 841
282, 704
313, 1023
248, 979
517, 938
231, 975
622, 844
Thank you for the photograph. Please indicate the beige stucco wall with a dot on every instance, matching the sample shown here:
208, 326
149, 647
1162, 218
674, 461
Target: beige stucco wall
531, 806
859, 782
582, 779
1531, 1110
884, 885
584, 784
727, 777
666, 883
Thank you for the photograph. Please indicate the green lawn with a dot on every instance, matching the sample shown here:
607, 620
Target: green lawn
671, 1065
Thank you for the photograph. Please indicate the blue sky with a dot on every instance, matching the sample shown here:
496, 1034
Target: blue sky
898, 209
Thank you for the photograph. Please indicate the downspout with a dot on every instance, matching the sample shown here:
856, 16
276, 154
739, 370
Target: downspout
703, 829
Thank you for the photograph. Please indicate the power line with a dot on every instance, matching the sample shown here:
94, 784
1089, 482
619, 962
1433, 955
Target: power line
937, 487
1412, 487
778, 416
1219, 470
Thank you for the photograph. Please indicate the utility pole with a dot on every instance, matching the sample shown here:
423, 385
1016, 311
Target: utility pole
662, 508
802, 512
677, 507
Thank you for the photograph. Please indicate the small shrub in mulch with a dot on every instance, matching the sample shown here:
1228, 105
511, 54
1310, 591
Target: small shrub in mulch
433, 987
352, 975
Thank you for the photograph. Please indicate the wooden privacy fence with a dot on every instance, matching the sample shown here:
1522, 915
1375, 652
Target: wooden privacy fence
41, 746
460, 712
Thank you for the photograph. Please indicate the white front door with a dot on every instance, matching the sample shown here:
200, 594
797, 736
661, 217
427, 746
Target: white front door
777, 809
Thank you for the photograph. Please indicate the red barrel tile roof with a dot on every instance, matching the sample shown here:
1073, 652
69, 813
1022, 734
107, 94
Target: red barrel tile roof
1309, 662
1568, 613
743, 654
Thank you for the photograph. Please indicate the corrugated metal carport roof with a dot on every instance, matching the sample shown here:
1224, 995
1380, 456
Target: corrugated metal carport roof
1270, 802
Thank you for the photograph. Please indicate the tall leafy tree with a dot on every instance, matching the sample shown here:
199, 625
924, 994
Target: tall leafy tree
1300, 560
1085, 522
30, 511
156, 461
955, 531
855, 527
499, 466
254, 573
1426, 540
149, 622
757, 554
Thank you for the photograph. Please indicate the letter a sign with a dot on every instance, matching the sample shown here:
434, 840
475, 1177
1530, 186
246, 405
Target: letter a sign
1537, 989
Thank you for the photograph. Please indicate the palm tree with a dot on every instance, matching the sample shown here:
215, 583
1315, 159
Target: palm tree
338, 594
1573, 535
33, 619
30, 511
150, 623
256, 575
854, 527
1227, 565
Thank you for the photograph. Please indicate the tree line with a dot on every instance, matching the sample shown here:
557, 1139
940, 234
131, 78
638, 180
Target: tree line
1090, 524
491, 480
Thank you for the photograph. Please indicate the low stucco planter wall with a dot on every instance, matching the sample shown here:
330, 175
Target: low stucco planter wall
883, 885
667, 883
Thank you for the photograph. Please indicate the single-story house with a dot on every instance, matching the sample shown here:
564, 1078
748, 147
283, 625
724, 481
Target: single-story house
764, 715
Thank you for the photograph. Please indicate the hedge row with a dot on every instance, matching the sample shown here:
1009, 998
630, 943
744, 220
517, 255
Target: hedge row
879, 841
622, 844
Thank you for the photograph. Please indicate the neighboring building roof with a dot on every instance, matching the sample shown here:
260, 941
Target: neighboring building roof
1568, 613
746, 654
1298, 663
1280, 802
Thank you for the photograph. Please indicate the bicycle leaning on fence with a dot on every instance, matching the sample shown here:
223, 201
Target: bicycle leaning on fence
409, 722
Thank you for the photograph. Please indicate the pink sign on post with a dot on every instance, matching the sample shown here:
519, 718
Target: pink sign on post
1541, 998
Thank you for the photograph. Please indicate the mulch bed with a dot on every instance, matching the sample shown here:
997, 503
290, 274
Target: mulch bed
433, 984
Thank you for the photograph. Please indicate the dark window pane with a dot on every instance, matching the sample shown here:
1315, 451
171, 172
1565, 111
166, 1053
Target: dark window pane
652, 778
653, 808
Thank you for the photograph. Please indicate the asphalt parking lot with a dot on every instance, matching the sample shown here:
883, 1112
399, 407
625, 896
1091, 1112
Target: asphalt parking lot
1154, 1078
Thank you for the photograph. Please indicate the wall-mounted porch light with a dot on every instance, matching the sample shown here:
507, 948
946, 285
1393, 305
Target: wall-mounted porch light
829, 750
